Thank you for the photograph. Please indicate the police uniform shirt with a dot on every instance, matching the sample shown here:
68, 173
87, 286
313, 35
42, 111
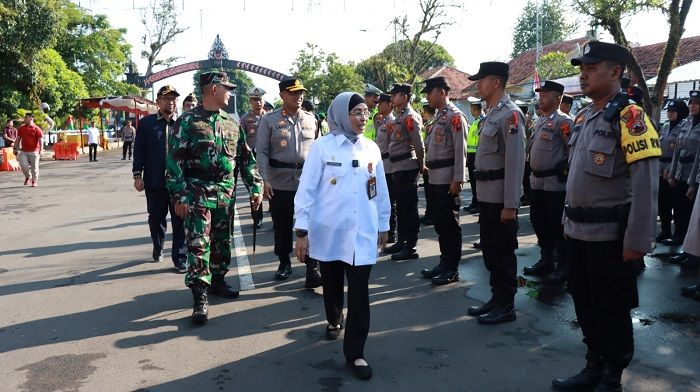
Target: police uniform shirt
249, 124
446, 142
687, 145
548, 149
332, 201
383, 137
502, 146
668, 138
612, 164
285, 139
406, 139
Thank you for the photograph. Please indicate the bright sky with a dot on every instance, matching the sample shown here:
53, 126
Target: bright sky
270, 33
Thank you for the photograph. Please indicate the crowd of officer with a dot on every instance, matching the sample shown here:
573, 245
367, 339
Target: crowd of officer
593, 185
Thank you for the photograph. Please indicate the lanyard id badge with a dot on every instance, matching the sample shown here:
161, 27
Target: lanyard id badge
372, 187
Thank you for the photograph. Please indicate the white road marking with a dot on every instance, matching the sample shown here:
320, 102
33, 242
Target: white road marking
244, 273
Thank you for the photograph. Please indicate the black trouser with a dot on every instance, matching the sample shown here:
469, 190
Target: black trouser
158, 203
498, 244
357, 323
427, 196
471, 158
282, 211
406, 191
127, 146
92, 151
604, 290
446, 223
526, 181
392, 202
257, 215
683, 207
665, 204
546, 209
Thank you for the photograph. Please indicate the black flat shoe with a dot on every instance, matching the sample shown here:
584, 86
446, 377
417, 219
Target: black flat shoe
333, 332
397, 247
500, 314
361, 372
283, 271
446, 277
478, 310
431, 273
689, 291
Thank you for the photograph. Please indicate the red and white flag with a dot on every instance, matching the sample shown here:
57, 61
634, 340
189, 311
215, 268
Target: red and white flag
536, 83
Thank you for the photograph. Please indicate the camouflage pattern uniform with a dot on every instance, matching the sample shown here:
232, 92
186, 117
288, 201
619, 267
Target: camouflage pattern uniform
203, 150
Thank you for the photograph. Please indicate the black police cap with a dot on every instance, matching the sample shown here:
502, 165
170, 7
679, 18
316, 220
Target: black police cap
549, 85
292, 85
384, 98
694, 95
436, 82
401, 88
596, 51
567, 99
495, 68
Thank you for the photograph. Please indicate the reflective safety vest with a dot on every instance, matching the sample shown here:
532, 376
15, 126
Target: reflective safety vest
370, 132
473, 135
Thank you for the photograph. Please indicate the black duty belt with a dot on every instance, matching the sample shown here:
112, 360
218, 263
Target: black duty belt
207, 176
440, 163
687, 159
597, 214
665, 160
560, 168
396, 158
490, 175
285, 165
385, 155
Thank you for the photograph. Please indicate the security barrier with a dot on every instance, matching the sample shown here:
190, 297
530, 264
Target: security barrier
65, 151
9, 160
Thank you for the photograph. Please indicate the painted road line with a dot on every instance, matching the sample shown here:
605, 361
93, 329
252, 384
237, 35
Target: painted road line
244, 274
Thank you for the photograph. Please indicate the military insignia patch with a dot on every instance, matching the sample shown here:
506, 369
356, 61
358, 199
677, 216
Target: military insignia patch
456, 124
565, 129
513, 124
281, 122
599, 159
409, 124
390, 127
638, 137
283, 143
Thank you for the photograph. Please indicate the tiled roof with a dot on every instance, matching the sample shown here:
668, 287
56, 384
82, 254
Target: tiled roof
455, 78
649, 56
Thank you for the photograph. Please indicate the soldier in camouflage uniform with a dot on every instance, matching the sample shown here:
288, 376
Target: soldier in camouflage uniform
203, 150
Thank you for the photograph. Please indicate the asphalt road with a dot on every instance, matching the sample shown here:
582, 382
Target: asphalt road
84, 309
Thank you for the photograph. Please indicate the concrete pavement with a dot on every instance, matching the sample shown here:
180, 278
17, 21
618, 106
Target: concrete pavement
84, 309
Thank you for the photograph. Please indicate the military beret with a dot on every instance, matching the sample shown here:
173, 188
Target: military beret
190, 98
549, 85
384, 97
292, 85
438, 81
496, 68
255, 92
401, 88
567, 99
372, 90
215, 78
596, 51
167, 89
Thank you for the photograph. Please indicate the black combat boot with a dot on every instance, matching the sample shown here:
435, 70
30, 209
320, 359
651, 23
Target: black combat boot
560, 273
665, 232
585, 380
544, 266
433, 272
221, 288
447, 276
408, 252
395, 248
313, 274
200, 311
612, 380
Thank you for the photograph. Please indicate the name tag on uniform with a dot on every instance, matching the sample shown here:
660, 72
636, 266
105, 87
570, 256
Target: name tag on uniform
372, 187
329, 163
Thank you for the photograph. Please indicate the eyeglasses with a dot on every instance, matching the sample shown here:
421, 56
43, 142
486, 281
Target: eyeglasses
360, 113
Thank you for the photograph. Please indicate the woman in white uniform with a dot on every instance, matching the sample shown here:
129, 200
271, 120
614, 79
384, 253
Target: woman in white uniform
342, 219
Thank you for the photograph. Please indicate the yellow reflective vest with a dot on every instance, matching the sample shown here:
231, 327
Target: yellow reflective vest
370, 132
473, 135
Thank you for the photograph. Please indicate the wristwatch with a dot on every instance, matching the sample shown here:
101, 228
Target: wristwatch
302, 233
137, 175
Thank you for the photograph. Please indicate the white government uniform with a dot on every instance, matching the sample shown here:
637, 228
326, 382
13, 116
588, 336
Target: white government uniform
332, 201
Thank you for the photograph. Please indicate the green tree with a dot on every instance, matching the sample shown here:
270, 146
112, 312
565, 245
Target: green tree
28, 27
325, 75
611, 14
382, 71
242, 81
555, 65
555, 28
58, 85
417, 48
91, 47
